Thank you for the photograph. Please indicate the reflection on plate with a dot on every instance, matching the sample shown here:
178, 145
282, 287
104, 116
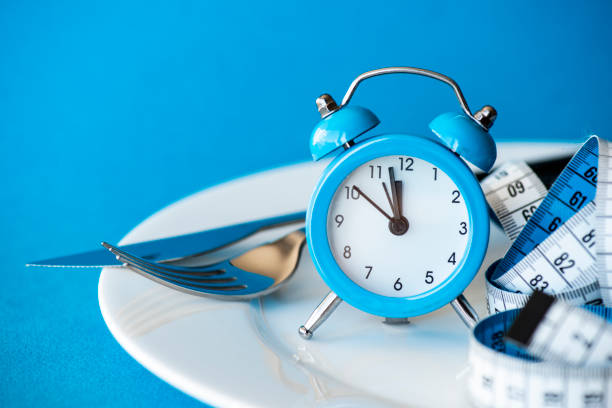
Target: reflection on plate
249, 353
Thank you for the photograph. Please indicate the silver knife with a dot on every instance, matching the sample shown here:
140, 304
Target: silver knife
174, 248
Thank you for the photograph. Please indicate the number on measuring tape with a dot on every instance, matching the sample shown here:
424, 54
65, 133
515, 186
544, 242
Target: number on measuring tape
500, 299
561, 262
514, 192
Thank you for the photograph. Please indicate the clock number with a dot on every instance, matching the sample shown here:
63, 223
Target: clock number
429, 277
435, 169
369, 268
456, 195
554, 224
398, 285
347, 252
339, 220
516, 188
463, 229
451, 259
373, 172
351, 193
406, 163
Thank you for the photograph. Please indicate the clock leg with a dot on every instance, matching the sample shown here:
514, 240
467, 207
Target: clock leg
465, 311
320, 314
396, 320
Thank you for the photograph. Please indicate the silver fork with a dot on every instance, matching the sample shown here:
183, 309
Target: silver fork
256, 272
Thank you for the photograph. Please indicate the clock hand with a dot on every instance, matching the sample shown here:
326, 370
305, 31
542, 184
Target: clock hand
398, 225
389, 198
361, 194
396, 209
399, 187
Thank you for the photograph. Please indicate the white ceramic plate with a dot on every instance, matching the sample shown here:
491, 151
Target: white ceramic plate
249, 354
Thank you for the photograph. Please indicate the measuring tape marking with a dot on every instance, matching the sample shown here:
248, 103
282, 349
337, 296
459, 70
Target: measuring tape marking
535, 245
499, 300
502, 375
514, 192
556, 331
570, 192
580, 207
603, 221
563, 261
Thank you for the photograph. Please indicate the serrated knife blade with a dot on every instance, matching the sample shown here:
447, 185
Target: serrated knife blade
174, 248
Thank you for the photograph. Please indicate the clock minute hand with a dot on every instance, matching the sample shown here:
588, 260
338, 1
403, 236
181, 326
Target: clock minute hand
361, 194
398, 225
399, 188
397, 214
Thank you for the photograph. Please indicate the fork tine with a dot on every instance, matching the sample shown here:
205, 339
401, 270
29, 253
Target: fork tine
174, 272
208, 270
236, 282
195, 285
188, 282
199, 290
132, 260
195, 276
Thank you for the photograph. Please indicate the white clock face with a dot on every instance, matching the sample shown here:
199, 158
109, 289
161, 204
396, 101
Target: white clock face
403, 243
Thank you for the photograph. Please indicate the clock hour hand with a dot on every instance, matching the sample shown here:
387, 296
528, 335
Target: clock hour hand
399, 189
389, 199
369, 200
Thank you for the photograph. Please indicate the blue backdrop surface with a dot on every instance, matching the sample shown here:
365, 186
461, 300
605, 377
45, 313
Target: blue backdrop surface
110, 110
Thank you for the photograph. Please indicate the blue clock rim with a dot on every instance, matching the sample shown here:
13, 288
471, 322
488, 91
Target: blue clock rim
332, 177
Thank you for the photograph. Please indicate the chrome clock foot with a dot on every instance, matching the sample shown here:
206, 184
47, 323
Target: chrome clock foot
320, 315
396, 320
465, 311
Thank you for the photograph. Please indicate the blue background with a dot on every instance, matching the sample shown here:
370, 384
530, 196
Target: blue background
111, 110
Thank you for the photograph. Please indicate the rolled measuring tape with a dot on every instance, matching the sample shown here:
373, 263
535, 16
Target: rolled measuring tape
548, 328
503, 375
555, 251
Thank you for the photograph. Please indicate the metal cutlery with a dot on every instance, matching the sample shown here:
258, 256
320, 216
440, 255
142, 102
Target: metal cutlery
256, 272
179, 247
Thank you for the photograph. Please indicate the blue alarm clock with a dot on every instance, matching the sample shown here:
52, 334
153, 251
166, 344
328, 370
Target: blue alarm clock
397, 225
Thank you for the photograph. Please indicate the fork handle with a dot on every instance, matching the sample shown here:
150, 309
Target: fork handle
320, 314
